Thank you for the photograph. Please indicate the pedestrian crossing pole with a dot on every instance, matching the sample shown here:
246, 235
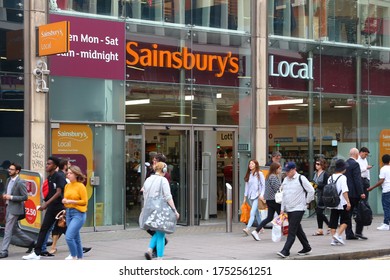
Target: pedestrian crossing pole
229, 210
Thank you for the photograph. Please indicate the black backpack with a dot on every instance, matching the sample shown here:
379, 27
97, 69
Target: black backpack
363, 213
330, 196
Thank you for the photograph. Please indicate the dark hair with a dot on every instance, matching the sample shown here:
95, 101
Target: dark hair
323, 163
55, 160
364, 150
386, 158
63, 163
160, 157
272, 169
18, 167
248, 171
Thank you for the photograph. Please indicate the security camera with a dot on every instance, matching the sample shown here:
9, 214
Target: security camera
37, 72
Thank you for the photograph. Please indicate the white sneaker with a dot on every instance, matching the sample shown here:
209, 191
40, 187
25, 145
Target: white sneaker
255, 235
70, 258
334, 243
383, 227
32, 256
339, 239
246, 231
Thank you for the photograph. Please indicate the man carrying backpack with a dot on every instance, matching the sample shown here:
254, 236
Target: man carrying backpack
339, 214
355, 193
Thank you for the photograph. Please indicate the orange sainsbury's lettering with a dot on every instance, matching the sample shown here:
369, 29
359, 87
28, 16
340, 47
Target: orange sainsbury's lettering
155, 57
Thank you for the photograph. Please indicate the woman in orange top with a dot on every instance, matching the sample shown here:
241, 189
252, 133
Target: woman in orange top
76, 203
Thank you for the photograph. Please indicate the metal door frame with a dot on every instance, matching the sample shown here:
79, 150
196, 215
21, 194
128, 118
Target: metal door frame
191, 164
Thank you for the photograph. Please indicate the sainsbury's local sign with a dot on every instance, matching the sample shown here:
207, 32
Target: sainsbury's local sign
293, 70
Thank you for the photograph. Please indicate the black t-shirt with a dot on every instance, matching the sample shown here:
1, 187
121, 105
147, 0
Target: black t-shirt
50, 188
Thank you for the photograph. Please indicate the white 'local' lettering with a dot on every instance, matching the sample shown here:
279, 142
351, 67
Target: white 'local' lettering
294, 70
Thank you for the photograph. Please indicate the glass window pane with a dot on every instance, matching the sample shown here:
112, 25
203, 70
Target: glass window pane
103, 99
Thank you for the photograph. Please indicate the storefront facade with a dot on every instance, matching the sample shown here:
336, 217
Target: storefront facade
196, 80
328, 65
168, 81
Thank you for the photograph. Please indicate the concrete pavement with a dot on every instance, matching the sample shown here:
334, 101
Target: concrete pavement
210, 241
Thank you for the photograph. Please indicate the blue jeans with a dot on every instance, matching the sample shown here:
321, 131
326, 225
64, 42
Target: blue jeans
254, 212
158, 241
75, 221
44, 245
386, 207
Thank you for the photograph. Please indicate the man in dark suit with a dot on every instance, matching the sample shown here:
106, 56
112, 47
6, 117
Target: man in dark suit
15, 196
355, 193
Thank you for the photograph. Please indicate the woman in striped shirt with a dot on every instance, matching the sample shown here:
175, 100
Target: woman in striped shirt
272, 185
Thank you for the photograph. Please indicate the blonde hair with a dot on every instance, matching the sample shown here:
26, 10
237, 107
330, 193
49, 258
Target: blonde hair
80, 177
159, 166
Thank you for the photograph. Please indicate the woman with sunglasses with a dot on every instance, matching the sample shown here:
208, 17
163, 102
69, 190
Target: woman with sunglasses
320, 179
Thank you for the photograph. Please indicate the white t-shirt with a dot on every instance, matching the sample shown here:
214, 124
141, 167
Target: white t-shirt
342, 186
384, 173
365, 173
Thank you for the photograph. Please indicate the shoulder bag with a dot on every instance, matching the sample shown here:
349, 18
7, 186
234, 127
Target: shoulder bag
157, 215
279, 195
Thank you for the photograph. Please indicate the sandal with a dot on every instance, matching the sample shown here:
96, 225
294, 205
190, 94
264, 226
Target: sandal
53, 251
318, 233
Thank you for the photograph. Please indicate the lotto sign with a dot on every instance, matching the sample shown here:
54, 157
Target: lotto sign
33, 185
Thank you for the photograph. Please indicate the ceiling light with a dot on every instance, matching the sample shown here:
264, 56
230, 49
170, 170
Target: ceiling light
290, 109
137, 102
219, 95
167, 113
11, 110
285, 102
132, 118
189, 97
342, 106
165, 116
304, 105
133, 115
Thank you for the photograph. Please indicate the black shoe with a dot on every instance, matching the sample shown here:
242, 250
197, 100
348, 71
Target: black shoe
46, 254
282, 254
304, 252
360, 236
353, 237
148, 256
3, 255
86, 249
31, 247
154, 253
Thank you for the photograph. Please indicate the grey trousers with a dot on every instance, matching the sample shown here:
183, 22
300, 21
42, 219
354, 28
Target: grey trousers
12, 229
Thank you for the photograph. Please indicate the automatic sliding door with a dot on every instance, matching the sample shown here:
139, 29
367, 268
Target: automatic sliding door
173, 143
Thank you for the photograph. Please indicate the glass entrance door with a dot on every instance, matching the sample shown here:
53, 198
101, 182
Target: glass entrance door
173, 142
214, 150
200, 162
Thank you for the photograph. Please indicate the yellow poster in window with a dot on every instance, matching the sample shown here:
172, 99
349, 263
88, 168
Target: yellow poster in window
75, 143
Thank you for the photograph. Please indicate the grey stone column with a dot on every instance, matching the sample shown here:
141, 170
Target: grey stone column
36, 133
260, 78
